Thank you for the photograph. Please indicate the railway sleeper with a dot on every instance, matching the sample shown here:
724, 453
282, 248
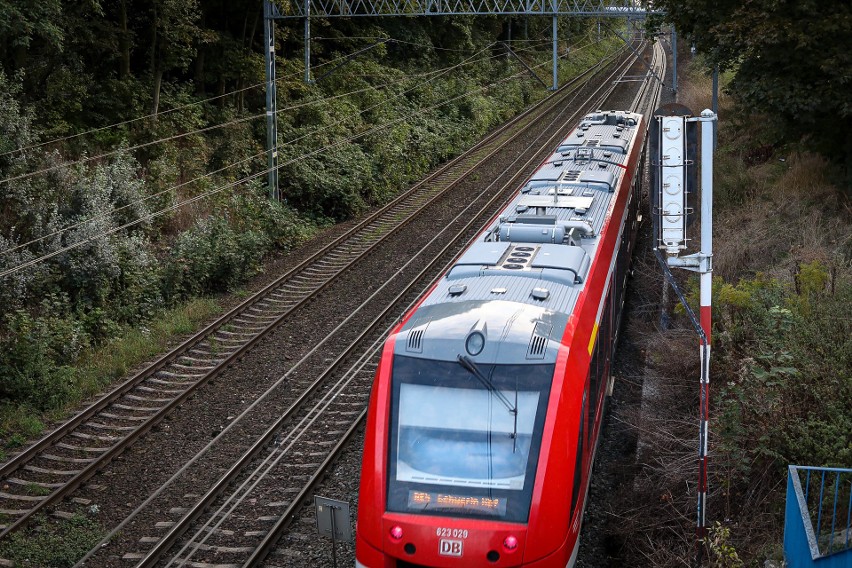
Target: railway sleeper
18, 481
91, 449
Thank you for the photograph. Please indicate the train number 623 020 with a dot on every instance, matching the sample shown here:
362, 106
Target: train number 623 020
454, 533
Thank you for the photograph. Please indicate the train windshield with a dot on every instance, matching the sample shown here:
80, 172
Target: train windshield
464, 441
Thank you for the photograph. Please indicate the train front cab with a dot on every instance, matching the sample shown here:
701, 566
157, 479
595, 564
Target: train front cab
439, 509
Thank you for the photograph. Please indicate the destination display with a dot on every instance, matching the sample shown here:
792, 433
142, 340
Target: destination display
424, 501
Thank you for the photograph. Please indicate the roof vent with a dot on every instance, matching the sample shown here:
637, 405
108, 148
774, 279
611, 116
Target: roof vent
540, 294
538, 343
457, 289
415, 340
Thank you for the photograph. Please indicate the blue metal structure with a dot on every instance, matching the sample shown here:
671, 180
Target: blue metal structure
818, 519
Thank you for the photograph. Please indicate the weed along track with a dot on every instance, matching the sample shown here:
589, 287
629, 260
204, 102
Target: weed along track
221, 470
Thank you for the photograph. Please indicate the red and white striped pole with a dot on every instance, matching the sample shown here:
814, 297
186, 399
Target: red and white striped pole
708, 119
671, 183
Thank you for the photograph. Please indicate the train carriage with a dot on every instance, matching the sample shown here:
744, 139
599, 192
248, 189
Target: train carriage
486, 406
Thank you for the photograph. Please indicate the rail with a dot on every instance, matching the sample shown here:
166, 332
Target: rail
818, 518
270, 465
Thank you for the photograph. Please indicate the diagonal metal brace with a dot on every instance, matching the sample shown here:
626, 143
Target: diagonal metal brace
349, 58
537, 78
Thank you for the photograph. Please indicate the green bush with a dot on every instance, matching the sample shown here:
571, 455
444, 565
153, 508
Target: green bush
36, 354
212, 257
785, 357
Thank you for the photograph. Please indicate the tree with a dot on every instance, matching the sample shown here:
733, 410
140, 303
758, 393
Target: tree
792, 59
174, 32
25, 24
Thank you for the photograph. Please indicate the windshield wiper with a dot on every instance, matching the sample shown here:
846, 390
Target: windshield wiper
470, 366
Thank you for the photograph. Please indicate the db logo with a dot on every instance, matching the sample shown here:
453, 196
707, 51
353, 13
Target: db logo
450, 547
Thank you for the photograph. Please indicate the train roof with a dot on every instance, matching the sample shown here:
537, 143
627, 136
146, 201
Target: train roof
520, 279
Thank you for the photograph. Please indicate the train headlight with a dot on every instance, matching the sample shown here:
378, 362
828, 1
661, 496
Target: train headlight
474, 343
510, 544
395, 533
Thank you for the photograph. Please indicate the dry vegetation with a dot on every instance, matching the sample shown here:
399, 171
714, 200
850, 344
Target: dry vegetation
780, 381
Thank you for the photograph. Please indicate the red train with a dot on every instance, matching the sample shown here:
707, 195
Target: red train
486, 407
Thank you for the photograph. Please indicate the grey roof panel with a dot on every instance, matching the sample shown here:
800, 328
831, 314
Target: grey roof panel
484, 254
524, 290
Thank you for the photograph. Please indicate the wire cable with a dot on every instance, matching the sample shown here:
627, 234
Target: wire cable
217, 97
165, 112
436, 74
177, 136
252, 176
256, 175
132, 203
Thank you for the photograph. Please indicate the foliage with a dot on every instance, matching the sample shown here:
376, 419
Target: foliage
786, 352
36, 353
722, 553
211, 257
791, 60
59, 547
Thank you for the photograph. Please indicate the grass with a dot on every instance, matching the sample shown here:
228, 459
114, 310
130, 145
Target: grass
54, 544
36, 489
101, 367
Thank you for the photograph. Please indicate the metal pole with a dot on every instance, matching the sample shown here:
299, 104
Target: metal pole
271, 100
555, 78
706, 285
674, 57
333, 538
308, 41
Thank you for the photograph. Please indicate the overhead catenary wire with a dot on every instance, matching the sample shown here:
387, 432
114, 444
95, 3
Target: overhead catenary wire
98, 217
435, 74
256, 175
177, 136
189, 105
164, 112
127, 205
223, 95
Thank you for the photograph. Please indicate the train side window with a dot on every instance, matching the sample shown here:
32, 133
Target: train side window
578, 465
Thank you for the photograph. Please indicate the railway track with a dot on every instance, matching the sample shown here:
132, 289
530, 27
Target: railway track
226, 526
56, 466
296, 447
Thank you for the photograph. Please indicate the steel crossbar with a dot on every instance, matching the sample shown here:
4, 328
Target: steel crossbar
354, 8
